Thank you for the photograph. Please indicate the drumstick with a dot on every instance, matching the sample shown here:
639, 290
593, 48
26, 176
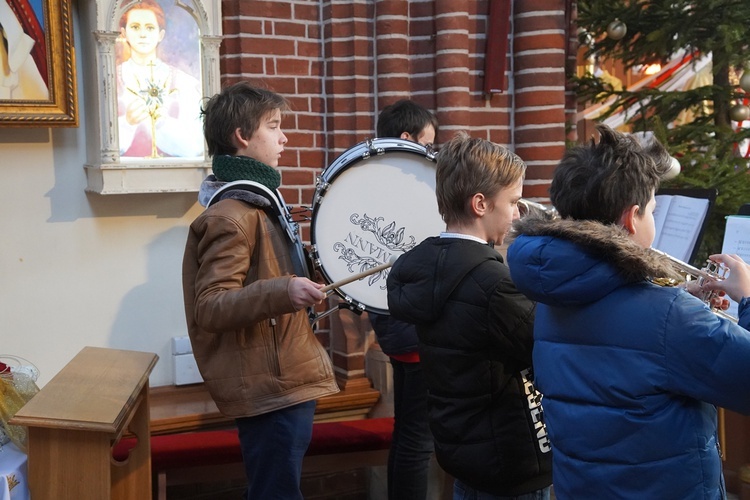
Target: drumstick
355, 277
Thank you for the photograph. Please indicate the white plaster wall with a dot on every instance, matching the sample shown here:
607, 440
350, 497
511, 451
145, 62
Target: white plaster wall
80, 269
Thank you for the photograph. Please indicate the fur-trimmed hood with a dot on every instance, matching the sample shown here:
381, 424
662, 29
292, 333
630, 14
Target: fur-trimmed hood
566, 262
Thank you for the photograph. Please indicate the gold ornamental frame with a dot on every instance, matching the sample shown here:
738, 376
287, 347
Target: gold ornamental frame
61, 109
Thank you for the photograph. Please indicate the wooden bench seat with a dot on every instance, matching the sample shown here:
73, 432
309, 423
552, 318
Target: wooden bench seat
190, 408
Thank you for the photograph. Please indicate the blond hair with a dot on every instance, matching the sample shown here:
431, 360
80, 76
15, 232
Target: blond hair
467, 166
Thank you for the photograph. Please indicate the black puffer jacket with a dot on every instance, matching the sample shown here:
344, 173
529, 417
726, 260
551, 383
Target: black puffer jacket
475, 339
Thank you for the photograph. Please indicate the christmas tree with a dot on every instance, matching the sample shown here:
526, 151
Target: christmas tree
701, 124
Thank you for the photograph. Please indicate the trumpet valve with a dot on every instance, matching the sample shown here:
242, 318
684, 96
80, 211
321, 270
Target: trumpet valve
712, 271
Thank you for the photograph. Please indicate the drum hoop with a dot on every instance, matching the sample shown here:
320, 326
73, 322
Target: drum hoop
369, 148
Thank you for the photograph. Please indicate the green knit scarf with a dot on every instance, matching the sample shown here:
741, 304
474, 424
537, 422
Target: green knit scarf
243, 168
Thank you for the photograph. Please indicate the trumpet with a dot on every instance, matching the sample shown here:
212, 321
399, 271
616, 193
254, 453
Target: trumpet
712, 271
528, 207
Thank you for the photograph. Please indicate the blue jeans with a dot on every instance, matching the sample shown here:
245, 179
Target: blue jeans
411, 445
464, 492
273, 446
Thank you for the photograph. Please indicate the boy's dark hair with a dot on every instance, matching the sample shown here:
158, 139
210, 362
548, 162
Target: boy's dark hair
600, 180
239, 106
467, 166
405, 116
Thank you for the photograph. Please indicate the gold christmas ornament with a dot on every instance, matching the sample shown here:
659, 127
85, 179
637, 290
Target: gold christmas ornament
739, 112
745, 80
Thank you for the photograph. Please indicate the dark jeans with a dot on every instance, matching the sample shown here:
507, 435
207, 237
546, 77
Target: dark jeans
273, 445
411, 447
464, 492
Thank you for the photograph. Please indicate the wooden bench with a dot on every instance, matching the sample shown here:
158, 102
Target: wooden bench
190, 408
212, 455
192, 442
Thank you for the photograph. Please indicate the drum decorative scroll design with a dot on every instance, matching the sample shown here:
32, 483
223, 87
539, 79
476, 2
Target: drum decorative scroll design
376, 201
389, 237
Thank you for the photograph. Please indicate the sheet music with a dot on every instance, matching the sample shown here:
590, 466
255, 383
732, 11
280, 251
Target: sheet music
660, 214
737, 240
678, 221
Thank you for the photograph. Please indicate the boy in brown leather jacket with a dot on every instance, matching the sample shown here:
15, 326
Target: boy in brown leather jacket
245, 308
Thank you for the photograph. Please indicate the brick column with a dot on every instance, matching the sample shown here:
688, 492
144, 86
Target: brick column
452, 62
349, 106
391, 51
539, 52
349, 88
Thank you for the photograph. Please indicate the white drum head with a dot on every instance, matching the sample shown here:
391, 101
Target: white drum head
373, 209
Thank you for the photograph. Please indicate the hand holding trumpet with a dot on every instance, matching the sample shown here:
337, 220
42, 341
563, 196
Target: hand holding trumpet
737, 284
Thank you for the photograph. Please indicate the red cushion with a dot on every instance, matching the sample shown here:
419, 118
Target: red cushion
351, 435
188, 448
223, 446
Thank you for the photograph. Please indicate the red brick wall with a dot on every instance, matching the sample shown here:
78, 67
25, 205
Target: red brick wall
341, 62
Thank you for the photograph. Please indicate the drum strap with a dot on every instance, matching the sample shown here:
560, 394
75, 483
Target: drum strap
273, 203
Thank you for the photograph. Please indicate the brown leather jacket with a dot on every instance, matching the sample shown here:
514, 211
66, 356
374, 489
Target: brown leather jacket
256, 353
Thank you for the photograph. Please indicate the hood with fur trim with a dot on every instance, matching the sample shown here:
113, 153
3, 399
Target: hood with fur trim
563, 262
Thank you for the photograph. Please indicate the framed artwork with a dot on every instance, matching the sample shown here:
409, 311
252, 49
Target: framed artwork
156, 60
37, 64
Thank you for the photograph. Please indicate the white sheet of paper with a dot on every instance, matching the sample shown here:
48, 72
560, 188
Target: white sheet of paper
678, 221
737, 240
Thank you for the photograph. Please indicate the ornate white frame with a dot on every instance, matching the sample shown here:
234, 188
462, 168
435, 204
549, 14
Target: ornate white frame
105, 172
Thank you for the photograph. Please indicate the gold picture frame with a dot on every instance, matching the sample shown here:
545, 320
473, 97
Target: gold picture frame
60, 109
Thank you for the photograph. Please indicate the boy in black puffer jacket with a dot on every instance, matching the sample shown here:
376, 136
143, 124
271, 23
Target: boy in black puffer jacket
475, 329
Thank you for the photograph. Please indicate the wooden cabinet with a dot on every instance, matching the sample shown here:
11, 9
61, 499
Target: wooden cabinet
76, 418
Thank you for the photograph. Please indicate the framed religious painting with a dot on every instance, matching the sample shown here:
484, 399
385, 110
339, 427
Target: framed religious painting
37, 64
155, 62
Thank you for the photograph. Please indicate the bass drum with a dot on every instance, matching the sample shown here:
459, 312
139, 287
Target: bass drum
375, 201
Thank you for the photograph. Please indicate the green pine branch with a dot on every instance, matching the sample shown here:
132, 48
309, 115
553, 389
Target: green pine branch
658, 31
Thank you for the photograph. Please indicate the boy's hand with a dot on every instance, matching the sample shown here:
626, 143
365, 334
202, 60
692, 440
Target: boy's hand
715, 301
305, 293
737, 284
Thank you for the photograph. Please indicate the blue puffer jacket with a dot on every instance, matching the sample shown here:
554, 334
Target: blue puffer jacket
631, 372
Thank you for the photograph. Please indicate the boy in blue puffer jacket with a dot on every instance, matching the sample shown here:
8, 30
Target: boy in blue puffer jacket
631, 371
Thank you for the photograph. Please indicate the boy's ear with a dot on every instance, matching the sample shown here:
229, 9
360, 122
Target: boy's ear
627, 219
478, 204
406, 136
238, 140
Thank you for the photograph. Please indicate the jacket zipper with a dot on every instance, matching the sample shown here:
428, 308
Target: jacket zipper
275, 364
